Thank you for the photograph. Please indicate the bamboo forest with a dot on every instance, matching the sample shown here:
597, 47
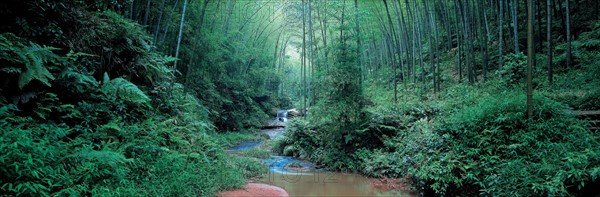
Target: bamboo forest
299, 98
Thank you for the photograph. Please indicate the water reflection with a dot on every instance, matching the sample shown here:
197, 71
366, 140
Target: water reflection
327, 184
302, 179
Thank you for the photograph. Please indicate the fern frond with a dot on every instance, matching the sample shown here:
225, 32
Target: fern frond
11, 70
112, 125
32, 56
35, 68
156, 67
80, 78
125, 90
104, 157
591, 43
8, 110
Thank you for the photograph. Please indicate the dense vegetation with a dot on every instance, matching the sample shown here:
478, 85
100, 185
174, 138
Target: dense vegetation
91, 105
426, 101
139, 98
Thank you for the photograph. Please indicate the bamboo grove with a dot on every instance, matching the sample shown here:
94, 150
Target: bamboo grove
142, 97
441, 93
410, 37
403, 42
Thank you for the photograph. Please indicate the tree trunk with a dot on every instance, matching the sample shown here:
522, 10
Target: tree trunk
159, 20
323, 21
147, 13
530, 57
406, 43
420, 32
568, 25
180, 33
467, 37
392, 32
276, 50
310, 53
515, 25
539, 25
459, 39
549, 39
433, 48
413, 43
230, 9
203, 13
399, 45
484, 44
304, 96
446, 20
471, 40
358, 43
501, 38
166, 26
132, 10
428, 25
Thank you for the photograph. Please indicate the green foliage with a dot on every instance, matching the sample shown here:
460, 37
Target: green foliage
27, 164
140, 134
337, 129
125, 90
300, 140
496, 140
166, 157
237, 96
489, 146
579, 88
255, 153
514, 69
229, 139
28, 60
471, 142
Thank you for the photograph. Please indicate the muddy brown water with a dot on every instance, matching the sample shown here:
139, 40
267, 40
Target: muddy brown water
314, 182
327, 184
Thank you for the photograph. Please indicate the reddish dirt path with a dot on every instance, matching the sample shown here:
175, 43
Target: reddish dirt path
256, 189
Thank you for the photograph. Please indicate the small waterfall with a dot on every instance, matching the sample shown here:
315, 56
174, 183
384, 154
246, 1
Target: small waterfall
282, 115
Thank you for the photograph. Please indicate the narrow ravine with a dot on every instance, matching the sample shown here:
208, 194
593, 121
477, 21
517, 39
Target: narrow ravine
302, 178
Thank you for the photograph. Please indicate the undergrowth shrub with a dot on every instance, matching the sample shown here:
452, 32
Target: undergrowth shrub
579, 89
151, 158
230, 138
514, 68
300, 140
308, 138
491, 148
88, 107
477, 144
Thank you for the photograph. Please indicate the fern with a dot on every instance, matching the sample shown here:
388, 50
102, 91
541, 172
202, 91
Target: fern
37, 56
125, 90
591, 43
102, 157
113, 125
32, 56
8, 110
155, 67
81, 79
11, 70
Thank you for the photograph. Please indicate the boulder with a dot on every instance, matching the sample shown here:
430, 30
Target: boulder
256, 189
292, 113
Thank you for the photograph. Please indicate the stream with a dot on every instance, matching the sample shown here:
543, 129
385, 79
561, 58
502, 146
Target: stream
309, 181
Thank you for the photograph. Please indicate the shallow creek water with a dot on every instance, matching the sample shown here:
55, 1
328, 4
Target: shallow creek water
308, 181
327, 184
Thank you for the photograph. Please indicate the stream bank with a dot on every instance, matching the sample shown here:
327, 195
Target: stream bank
302, 178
